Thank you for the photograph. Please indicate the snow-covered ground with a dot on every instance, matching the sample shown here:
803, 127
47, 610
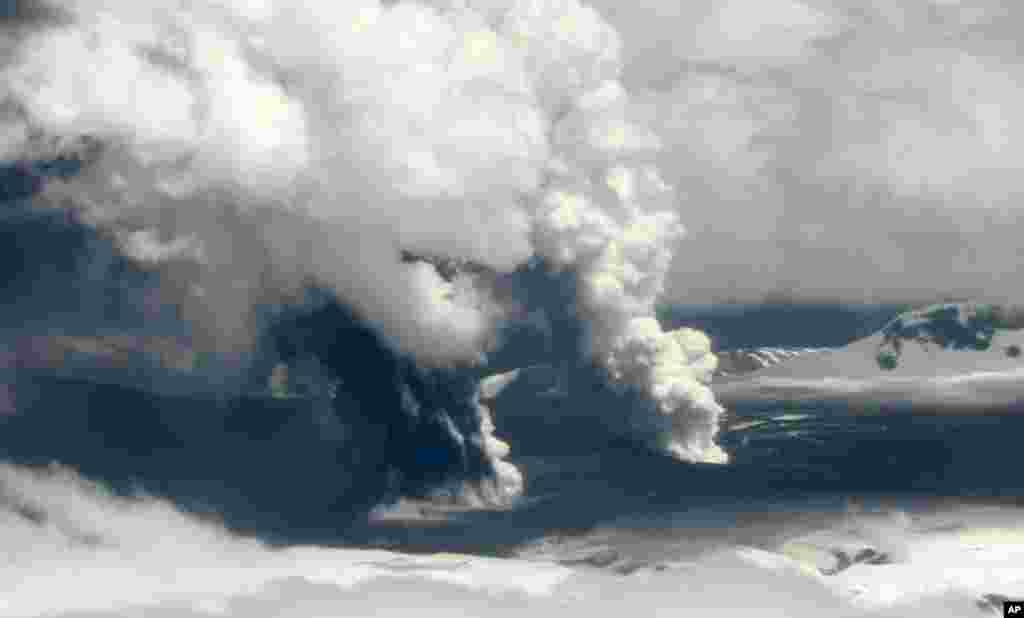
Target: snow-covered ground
743, 361
928, 375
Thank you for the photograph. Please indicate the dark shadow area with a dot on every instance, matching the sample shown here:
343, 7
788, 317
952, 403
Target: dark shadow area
292, 467
782, 324
374, 426
420, 423
259, 464
579, 478
30, 12
58, 274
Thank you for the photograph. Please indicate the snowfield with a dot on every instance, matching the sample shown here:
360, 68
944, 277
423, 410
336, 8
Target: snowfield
931, 374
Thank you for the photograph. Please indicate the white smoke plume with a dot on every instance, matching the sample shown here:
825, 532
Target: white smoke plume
609, 215
604, 211
280, 141
207, 110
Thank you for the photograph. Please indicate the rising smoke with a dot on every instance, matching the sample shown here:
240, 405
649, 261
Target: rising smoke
223, 157
277, 144
270, 144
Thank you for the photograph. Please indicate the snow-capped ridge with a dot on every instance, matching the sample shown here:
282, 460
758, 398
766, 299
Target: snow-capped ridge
742, 360
946, 357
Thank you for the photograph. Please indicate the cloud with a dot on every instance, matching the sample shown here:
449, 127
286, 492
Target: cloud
850, 151
135, 556
858, 151
286, 114
280, 143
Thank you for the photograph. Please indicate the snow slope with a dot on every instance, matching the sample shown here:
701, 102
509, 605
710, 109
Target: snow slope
941, 358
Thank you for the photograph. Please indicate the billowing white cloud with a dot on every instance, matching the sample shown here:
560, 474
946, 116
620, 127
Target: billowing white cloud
318, 140
850, 150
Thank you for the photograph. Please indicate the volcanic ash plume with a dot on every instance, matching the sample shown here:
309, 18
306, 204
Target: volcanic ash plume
606, 213
282, 142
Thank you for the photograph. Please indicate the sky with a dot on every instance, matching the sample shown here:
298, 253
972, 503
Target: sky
855, 150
